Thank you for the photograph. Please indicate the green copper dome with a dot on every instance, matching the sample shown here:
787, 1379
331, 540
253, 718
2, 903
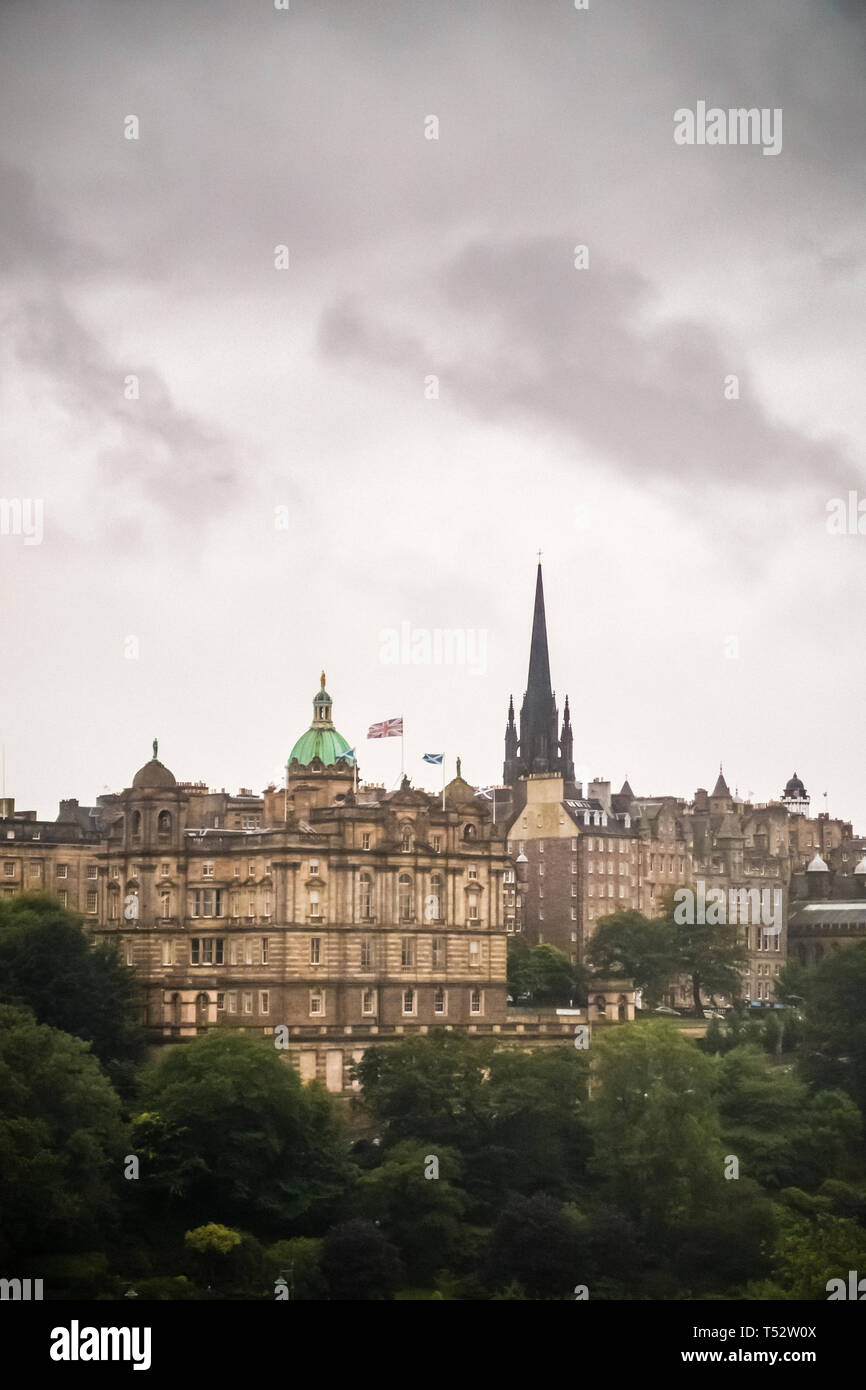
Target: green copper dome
321, 740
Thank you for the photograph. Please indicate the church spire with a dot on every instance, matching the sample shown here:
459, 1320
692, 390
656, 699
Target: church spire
538, 681
540, 747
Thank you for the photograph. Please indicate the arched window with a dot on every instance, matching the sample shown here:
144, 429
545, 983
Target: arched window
163, 825
409, 1001
469, 832
366, 897
406, 840
404, 896
201, 1008
176, 1010
475, 1001
136, 825
600, 1003
435, 902
165, 905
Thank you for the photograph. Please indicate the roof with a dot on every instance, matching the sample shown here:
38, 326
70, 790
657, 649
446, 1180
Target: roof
827, 914
154, 775
323, 743
721, 787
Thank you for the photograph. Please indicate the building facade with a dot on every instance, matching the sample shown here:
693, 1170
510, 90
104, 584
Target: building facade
345, 912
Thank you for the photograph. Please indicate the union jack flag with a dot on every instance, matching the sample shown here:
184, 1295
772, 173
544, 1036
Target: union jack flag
389, 728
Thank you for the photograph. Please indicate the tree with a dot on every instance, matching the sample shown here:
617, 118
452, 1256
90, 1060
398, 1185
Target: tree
535, 1243
834, 1051
517, 1118
544, 973
359, 1264
636, 947
655, 1124
62, 1139
299, 1262
224, 1259
710, 953
428, 1087
810, 1251
49, 964
415, 1197
229, 1132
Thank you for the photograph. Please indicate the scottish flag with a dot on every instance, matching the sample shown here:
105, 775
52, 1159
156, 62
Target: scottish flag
434, 758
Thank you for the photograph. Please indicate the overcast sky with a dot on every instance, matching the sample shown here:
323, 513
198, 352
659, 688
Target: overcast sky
288, 488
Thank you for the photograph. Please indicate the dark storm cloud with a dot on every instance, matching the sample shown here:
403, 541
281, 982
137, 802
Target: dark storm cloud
534, 341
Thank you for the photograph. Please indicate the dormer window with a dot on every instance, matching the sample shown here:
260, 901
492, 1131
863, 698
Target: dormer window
406, 843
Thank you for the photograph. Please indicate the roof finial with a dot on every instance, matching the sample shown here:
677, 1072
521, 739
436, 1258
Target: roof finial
323, 680
155, 748
539, 557
458, 767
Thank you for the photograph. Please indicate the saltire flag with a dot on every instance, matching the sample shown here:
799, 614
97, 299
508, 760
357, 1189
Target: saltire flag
388, 728
434, 758
349, 753
486, 792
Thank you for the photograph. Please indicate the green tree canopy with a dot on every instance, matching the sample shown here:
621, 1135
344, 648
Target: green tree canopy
636, 947
535, 1243
50, 965
544, 973
62, 1139
229, 1132
834, 1052
359, 1263
655, 1124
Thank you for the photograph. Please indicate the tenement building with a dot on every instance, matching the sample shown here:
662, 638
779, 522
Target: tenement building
346, 912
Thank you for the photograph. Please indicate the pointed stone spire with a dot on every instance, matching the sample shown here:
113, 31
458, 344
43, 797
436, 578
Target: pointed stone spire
538, 680
721, 787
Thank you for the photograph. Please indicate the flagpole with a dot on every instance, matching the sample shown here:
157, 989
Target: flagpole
443, 781
402, 757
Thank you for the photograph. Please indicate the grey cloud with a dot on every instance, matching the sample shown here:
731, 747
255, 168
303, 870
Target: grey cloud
532, 340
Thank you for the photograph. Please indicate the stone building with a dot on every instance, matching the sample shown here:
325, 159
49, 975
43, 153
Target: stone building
346, 912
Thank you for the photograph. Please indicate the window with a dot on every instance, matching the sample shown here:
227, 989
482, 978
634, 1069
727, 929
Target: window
237, 871
366, 896
365, 840
435, 901
207, 870
163, 824
163, 870
315, 950
407, 952
92, 871
622, 890
409, 997
473, 907
233, 1001
266, 905
574, 844
314, 903
136, 825
92, 902
404, 896
207, 950
439, 1002
591, 890
264, 1001
541, 847
317, 1001
36, 868
476, 1000
64, 899
610, 890
221, 1002
248, 1001
265, 948
62, 870
541, 871
474, 954
130, 953
248, 951
368, 1002
437, 843
165, 906
366, 953
166, 953
207, 902
439, 953
406, 842
574, 867
472, 871
314, 868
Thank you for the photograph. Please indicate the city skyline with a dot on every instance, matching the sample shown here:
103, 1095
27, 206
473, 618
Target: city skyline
249, 473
